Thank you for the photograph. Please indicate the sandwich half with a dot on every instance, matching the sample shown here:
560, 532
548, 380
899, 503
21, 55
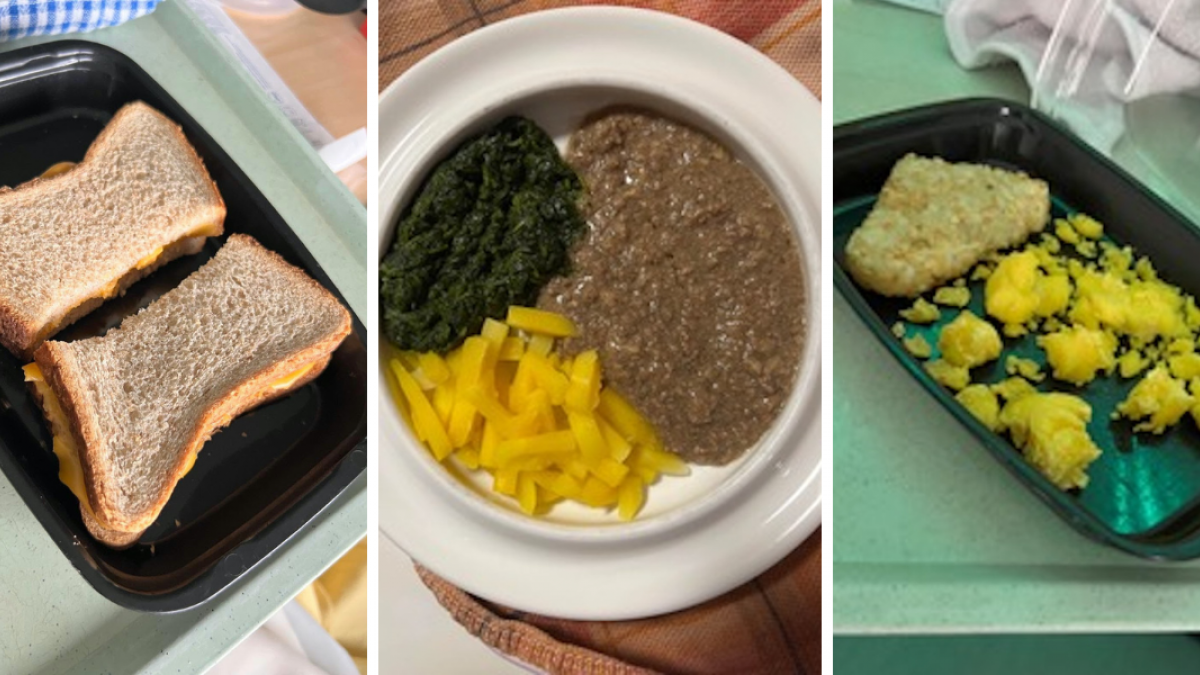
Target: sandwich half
72, 239
130, 410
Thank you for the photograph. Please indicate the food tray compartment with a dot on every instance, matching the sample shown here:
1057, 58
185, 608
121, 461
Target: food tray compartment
257, 482
1144, 494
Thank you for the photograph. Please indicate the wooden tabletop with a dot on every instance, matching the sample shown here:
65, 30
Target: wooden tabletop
323, 59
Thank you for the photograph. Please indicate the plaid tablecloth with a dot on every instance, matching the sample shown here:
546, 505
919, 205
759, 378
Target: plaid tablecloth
788, 31
21, 18
771, 625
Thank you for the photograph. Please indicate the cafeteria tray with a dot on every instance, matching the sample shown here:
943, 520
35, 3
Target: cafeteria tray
1144, 495
256, 483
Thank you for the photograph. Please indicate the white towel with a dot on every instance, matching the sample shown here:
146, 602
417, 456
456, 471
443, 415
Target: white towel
290, 643
1112, 52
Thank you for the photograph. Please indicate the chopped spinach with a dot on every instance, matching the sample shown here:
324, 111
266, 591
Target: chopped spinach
490, 226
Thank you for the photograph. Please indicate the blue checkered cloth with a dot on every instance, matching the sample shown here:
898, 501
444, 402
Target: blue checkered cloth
21, 18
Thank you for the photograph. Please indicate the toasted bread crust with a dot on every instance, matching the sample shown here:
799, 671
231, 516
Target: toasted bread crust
62, 374
16, 330
22, 334
113, 539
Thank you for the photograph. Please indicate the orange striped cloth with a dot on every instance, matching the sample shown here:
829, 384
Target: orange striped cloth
769, 626
788, 31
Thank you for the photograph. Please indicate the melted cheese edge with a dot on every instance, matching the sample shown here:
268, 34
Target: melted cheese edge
70, 471
290, 379
110, 290
60, 168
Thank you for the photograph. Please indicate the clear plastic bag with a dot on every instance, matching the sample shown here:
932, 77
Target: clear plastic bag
1126, 73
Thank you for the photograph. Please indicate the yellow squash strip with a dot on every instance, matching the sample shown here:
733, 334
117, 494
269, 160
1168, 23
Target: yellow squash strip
512, 349
434, 367
588, 436
543, 425
583, 391
541, 323
618, 447
625, 418
494, 332
425, 420
630, 496
541, 345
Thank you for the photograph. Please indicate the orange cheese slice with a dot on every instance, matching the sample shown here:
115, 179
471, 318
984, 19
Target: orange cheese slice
290, 379
70, 471
60, 168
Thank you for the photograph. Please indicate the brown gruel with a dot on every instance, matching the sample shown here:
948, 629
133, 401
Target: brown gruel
688, 282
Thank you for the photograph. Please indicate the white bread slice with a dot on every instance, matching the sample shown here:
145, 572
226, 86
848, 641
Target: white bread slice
139, 199
142, 400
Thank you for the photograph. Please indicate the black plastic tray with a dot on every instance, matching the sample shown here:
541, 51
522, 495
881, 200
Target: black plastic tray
1144, 494
256, 483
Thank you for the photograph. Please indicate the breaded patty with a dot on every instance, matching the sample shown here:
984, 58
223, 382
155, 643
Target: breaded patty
934, 220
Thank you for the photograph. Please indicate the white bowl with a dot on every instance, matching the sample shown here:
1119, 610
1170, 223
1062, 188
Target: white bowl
556, 68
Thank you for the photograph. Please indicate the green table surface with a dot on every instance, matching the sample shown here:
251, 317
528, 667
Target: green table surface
51, 620
930, 534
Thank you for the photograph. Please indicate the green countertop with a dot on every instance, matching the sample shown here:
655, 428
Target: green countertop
930, 533
52, 621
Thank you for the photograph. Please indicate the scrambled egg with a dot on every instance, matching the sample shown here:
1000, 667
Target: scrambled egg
953, 296
948, 375
922, 311
1011, 291
969, 341
918, 346
1184, 366
1155, 309
1101, 299
1051, 430
1027, 368
1102, 311
1128, 301
1159, 397
1064, 232
981, 401
1131, 363
1086, 225
1076, 354
1026, 286
1014, 388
